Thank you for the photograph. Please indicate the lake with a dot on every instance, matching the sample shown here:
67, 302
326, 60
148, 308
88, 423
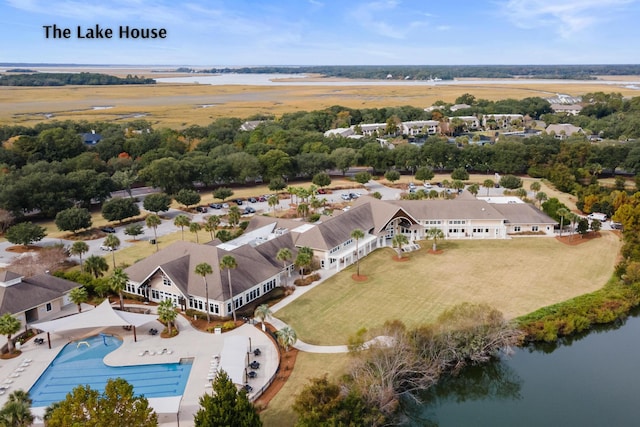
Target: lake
592, 381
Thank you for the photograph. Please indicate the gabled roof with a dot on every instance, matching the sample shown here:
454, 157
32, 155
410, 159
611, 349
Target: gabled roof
382, 212
31, 292
179, 262
449, 209
523, 213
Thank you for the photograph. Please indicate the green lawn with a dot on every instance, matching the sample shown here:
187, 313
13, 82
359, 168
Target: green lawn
516, 276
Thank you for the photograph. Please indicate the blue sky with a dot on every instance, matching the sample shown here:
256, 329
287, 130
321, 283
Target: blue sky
328, 32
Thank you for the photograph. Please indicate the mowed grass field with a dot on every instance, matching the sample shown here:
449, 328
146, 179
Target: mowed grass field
515, 276
180, 105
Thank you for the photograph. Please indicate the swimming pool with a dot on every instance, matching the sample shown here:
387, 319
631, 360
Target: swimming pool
81, 364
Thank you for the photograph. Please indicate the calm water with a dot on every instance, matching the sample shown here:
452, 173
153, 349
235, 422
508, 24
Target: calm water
268, 80
593, 381
80, 363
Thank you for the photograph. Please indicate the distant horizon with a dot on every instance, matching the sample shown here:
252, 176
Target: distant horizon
71, 64
319, 32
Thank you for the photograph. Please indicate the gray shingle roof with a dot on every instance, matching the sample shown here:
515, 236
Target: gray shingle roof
31, 292
523, 213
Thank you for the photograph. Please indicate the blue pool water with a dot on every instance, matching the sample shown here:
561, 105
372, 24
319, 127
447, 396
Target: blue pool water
81, 364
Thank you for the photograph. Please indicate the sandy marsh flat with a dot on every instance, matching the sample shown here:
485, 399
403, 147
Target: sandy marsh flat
181, 105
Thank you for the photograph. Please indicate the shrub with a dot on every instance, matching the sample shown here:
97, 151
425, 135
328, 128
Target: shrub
227, 326
307, 280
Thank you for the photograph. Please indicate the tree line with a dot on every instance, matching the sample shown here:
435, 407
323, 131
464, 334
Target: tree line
63, 79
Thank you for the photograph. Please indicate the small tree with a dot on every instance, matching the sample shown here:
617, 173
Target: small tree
211, 225
157, 202
303, 210
194, 227
118, 283
596, 225
223, 193
277, 184
286, 337
226, 406
79, 248
398, 241
392, 176
118, 209
425, 174
535, 186
153, 221
511, 182
356, 235
113, 243
73, 219
187, 197
134, 230
234, 216
303, 260
25, 233
284, 255
460, 174
117, 405
228, 262
203, 269
273, 202
583, 226
321, 179
541, 197
488, 184
79, 296
182, 221
262, 313
435, 233
167, 314
9, 325
362, 177
16, 412
96, 265
562, 213
473, 189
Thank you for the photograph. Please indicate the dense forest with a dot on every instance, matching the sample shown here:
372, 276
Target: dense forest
48, 168
444, 72
62, 79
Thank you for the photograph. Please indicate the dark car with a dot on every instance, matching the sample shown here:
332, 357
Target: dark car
253, 199
239, 202
322, 191
108, 229
215, 206
202, 209
249, 210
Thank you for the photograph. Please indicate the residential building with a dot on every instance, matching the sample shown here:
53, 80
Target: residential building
563, 130
502, 120
417, 127
471, 122
573, 109
457, 107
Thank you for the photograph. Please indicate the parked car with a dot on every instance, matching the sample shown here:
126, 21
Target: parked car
106, 248
216, 205
427, 185
225, 206
616, 226
202, 209
346, 197
239, 202
412, 185
262, 199
108, 229
252, 200
322, 191
249, 210
354, 195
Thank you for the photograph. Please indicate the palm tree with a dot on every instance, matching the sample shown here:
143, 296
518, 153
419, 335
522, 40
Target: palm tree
212, 225
167, 314
9, 325
286, 337
234, 215
153, 221
96, 265
112, 242
262, 312
284, 255
435, 234
398, 241
303, 209
78, 296
118, 283
303, 260
273, 202
488, 184
541, 197
203, 269
182, 221
573, 218
79, 248
228, 262
562, 213
473, 189
16, 412
194, 227
535, 187
357, 234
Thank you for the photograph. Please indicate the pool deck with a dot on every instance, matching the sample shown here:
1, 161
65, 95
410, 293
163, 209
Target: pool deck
190, 343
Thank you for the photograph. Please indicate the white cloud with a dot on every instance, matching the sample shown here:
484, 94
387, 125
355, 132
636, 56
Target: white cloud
565, 17
386, 19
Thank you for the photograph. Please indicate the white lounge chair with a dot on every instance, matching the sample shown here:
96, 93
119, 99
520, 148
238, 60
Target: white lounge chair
142, 353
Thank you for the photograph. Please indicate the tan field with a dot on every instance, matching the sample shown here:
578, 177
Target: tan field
181, 105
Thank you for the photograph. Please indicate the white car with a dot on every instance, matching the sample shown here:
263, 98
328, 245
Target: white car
427, 185
106, 248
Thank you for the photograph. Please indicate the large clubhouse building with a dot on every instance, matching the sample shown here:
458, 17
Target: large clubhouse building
170, 273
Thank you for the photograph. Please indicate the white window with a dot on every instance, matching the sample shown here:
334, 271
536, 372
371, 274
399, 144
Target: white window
516, 228
534, 228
